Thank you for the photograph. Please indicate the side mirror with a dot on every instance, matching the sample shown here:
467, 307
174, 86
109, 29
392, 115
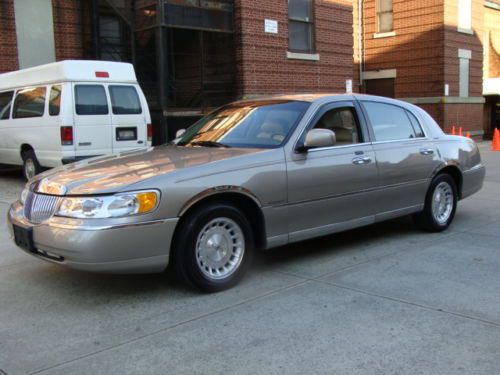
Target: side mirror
316, 138
179, 133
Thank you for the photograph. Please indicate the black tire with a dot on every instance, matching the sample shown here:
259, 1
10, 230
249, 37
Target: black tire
426, 220
185, 256
31, 166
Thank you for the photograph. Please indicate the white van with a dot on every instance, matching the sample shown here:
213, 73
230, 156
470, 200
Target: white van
70, 110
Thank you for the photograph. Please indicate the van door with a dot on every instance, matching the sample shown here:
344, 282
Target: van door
92, 120
127, 118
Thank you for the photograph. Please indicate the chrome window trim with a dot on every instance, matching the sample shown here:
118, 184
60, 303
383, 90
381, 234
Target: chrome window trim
337, 147
420, 139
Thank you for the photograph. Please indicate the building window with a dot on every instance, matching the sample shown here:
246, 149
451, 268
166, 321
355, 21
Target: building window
384, 16
301, 26
464, 56
464, 15
464, 78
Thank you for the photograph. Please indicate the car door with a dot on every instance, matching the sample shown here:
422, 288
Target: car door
127, 118
406, 158
92, 120
330, 188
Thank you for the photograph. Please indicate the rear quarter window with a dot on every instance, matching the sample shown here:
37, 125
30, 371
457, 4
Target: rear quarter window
90, 100
124, 100
29, 102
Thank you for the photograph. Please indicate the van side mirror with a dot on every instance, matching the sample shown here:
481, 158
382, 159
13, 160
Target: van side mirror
316, 138
179, 133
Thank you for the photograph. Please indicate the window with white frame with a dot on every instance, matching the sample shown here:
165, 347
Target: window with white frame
464, 15
384, 16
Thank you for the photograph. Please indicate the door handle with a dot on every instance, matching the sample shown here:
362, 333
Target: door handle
361, 160
426, 151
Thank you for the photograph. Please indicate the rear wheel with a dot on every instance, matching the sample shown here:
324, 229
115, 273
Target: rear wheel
440, 205
214, 247
31, 166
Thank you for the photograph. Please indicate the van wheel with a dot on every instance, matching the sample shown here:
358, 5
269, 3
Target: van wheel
31, 166
440, 205
213, 247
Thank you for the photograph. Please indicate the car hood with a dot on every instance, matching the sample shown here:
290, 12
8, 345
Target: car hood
108, 174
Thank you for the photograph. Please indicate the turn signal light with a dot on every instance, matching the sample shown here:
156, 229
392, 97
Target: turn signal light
147, 201
66, 135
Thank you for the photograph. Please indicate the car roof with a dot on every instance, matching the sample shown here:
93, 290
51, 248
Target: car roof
326, 97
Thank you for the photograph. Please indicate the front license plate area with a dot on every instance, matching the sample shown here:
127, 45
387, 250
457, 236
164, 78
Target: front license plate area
23, 238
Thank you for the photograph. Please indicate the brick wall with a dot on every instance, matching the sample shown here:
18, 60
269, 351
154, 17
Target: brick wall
492, 43
8, 41
455, 40
262, 63
416, 51
67, 16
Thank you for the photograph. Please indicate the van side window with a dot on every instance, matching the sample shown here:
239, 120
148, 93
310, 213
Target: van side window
90, 100
125, 100
55, 100
29, 103
389, 122
5, 103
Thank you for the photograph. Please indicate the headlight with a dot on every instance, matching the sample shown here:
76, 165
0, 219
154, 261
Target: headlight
24, 194
118, 205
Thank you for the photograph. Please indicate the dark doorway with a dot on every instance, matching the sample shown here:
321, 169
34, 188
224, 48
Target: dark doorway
380, 87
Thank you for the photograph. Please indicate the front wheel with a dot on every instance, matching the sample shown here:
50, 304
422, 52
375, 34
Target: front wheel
214, 247
31, 166
440, 205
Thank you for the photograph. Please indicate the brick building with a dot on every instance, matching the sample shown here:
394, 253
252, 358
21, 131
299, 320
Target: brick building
429, 53
491, 71
190, 55
193, 55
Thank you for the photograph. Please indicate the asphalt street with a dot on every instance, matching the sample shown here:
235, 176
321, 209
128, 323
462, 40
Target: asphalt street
384, 299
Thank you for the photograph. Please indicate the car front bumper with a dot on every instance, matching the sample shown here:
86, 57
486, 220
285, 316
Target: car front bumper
140, 247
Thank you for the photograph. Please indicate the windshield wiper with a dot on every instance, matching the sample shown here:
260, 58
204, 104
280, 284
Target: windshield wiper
209, 144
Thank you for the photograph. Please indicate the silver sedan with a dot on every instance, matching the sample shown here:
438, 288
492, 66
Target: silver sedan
251, 175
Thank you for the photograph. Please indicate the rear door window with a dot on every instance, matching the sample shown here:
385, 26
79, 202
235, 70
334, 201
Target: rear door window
55, 100
29, 103
124, 100
5, 104
90, 100
389, 122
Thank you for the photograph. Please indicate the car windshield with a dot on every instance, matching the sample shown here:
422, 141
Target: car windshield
257, 124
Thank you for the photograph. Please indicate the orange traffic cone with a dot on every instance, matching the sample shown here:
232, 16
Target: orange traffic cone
495, 145
467, 134
453, 132
460, 131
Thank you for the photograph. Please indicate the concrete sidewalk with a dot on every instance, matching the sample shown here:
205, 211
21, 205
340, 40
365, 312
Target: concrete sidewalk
385, 299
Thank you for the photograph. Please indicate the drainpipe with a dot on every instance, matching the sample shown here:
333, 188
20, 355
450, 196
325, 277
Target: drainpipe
361, 46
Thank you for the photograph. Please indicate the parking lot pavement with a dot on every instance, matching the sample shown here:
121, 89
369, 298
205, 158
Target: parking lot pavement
385, 299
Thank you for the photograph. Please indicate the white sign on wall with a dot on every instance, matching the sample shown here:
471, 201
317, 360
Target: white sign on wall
348, 86
446, 89
271, 26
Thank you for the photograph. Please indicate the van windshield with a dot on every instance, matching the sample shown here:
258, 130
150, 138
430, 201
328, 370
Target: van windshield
259, 124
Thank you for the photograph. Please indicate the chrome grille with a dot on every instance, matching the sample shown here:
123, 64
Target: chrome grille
39, 207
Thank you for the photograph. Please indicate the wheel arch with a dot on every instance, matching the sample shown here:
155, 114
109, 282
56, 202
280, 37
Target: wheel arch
236, 196
455, 172
24, 148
